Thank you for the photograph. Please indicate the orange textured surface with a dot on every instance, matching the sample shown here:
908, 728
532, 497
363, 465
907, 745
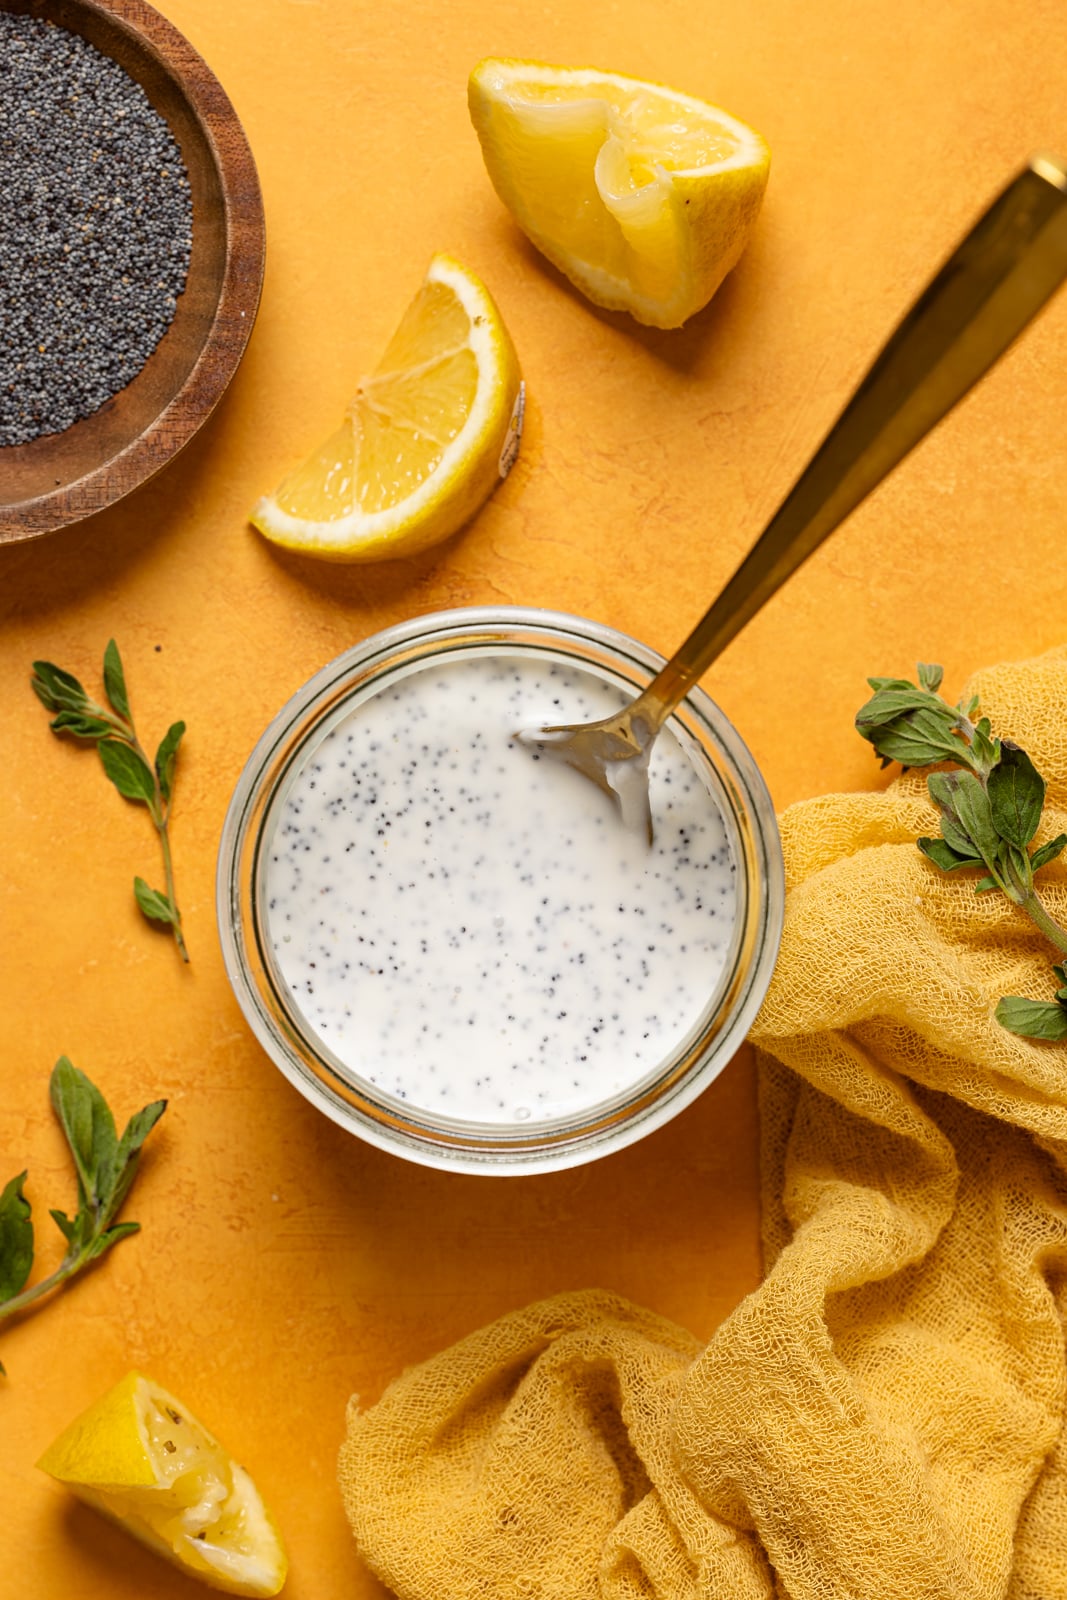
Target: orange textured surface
283, 1265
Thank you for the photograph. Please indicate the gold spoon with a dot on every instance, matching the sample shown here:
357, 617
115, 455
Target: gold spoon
1000, 276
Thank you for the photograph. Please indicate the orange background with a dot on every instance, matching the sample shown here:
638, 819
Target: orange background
282, 1264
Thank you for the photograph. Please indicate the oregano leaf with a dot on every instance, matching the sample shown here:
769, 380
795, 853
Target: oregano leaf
105, 1169
128, 771
103, 1241
1032, 1019
942, 855
989, 806
128, 1155
16, 1238
166, 757
67, 1226
976, 816
115, 681
86, 1120
57, 690
154, 904
1016, 795
1047, 852
81, 725
122, 757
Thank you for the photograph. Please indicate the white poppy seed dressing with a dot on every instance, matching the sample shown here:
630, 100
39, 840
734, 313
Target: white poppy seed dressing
472, 930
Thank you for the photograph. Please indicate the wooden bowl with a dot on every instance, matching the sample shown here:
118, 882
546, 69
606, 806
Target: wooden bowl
62, 477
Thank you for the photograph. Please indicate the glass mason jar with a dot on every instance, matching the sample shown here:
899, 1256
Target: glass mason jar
335, 1085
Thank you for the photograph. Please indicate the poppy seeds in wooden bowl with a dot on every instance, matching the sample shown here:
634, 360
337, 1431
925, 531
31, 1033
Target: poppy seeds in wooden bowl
96, 234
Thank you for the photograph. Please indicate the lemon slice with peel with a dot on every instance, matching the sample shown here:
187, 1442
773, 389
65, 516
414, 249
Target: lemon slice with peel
139, 1456
425, 440
643, 197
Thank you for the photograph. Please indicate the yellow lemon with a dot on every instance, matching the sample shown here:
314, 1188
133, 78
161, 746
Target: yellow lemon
139, 1456
424, 442
643, 197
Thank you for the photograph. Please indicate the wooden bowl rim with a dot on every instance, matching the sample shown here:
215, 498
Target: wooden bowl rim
239, 296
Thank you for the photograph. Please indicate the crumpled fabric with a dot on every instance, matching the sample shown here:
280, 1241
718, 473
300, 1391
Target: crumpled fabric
883, 1418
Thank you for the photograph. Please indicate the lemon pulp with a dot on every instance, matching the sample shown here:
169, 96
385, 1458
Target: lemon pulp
644, 197
424, 440
139, 1456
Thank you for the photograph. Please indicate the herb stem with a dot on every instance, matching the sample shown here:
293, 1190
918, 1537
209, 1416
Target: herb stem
1054, 932
990, 813
168, 868
159, 810
105, 1166
126, 764
66, 1269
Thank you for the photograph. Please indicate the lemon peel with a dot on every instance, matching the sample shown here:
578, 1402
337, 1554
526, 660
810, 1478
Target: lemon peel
644, 197
141, 1458
425, 440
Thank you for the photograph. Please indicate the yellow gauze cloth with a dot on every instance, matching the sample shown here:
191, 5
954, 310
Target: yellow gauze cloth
883, 1419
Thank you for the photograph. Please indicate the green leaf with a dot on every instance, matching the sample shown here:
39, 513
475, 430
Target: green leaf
1033, 1019
166, 756
137, 1130
110, 727
957, 838
890, 683
154, 904
938, 722
128, 1155
90, 1129
930, 676
975, 815
1016, 873
910, 748
942, 855
1047, 852
16, 1238
886, 705
106, 1169
943, 788
128, 771
115, 681
69, 1228
1016, 795
984, 747
81, 725
920, 737
57, 690
103, 1241
984, 885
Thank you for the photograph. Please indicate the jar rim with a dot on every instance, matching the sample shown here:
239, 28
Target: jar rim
336, 1088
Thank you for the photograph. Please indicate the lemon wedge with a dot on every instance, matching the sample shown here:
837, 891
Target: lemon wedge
643, 197
423, 444
139, 1456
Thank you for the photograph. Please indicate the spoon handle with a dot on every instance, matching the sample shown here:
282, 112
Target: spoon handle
1000, 276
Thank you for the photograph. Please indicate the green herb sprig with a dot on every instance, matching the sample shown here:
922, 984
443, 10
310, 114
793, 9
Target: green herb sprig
990, 811
147, 783
106, 1167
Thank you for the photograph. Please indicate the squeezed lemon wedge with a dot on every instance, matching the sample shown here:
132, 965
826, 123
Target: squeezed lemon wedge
425, 440
644, 197
139, 1456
